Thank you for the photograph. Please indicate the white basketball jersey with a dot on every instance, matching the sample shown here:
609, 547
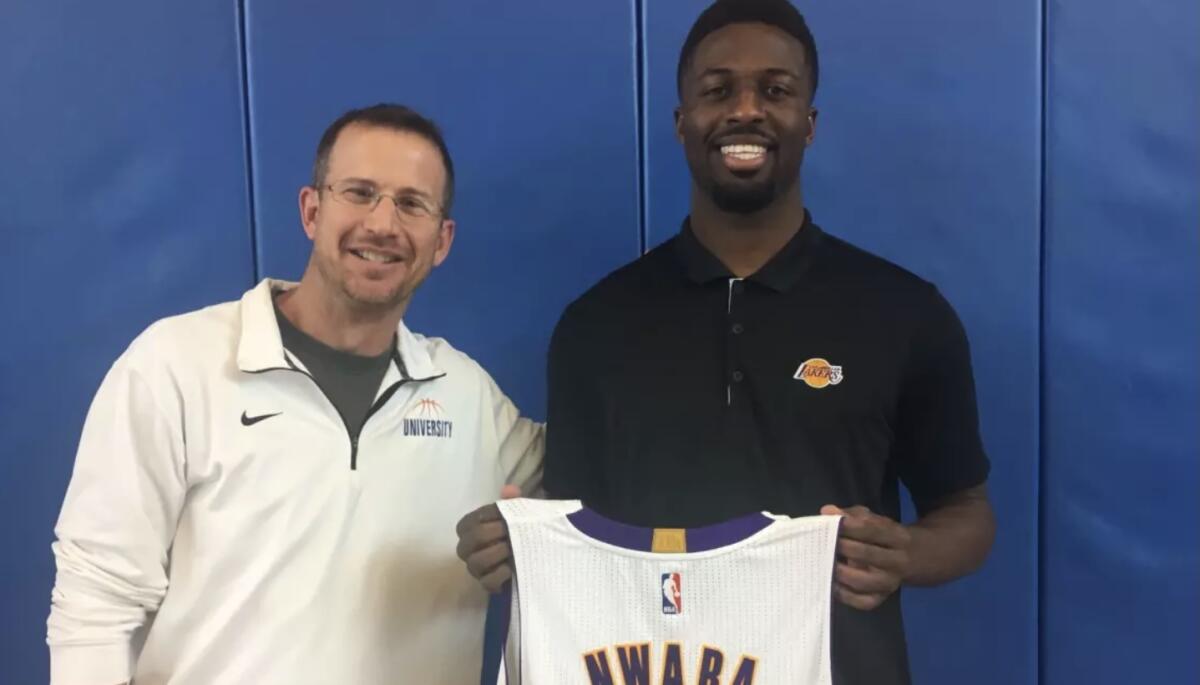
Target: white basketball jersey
596, 602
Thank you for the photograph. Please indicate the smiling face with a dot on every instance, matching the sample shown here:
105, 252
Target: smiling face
375, 255
745, 116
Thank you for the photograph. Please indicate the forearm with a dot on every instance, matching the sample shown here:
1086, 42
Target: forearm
521, 451
88, 666
84, 651
113, 535
951, 540
96, 608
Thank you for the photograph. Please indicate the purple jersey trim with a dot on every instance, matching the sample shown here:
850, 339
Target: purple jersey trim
506, 600
637, 538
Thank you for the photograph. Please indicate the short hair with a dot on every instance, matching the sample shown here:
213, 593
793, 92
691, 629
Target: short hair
778, 13
397, 118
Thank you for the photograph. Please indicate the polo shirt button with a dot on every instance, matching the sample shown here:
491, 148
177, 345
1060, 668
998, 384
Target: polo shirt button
737, 329
738, 376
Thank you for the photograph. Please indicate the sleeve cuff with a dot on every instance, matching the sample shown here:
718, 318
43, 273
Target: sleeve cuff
90, 664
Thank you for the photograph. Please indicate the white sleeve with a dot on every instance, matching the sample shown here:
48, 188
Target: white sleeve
116, 526
522, 443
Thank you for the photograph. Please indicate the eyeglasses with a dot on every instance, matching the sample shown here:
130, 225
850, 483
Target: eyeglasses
410, 208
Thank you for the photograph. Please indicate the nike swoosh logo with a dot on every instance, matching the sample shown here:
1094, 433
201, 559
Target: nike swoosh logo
251, 420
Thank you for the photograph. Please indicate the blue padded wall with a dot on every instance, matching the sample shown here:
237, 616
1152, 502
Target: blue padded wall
122, 199
927, 153
1121, 557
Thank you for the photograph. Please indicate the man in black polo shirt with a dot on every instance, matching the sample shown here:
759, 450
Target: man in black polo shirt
755, 362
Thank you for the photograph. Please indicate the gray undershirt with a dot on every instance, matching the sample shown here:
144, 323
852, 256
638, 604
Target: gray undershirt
349, 380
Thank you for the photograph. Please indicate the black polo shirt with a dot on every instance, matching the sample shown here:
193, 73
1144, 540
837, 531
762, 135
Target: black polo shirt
681, 396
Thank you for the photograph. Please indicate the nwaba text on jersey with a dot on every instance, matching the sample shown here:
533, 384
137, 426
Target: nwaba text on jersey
636, 665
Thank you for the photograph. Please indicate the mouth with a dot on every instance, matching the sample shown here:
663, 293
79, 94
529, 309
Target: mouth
744, 157
375, 256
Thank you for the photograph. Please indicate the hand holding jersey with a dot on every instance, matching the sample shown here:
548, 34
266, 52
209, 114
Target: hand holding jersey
483, 543
873, 556
872, 551
872, 561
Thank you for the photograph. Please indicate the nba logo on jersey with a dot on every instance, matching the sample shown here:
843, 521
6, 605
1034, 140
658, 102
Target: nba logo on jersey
672, 593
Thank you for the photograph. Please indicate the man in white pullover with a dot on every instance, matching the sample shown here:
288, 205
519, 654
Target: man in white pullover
266, 490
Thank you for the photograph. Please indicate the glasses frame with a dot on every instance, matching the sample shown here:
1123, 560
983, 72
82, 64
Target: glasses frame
436, 216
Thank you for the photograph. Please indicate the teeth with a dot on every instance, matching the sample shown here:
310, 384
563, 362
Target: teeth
744, 152
374, 256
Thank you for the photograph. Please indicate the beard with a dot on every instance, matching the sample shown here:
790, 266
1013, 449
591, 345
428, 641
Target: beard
361, 296
746, 198
738, 195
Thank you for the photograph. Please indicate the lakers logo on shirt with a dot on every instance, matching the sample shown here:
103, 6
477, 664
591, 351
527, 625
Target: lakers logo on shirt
426, 419
818, 373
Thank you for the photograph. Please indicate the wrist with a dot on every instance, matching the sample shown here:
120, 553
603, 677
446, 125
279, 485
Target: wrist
919, 541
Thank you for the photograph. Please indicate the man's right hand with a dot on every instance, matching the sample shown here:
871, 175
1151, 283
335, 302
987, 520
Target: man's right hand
483, 543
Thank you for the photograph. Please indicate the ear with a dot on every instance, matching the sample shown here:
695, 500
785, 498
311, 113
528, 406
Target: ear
310, 203
444, 241
679, 124
812, 126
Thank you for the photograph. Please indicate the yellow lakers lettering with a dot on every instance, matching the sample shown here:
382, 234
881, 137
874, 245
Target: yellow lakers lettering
637, 664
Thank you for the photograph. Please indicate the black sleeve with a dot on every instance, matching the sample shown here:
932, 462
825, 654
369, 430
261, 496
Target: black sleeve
938, 448
574, 414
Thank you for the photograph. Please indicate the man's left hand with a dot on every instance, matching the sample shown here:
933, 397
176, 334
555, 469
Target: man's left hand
872, 556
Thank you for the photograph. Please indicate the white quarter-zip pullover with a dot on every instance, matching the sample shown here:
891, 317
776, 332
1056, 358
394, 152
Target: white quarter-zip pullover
222, 527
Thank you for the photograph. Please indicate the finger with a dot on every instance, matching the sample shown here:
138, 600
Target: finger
488, 559
861, 530
510, 492
857, 511
494, 581
488, 512
869, 555
865, 581
482, 535
866, 602
834, 510
875, 530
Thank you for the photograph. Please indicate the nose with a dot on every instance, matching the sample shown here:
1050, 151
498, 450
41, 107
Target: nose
382, 217
747, 107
